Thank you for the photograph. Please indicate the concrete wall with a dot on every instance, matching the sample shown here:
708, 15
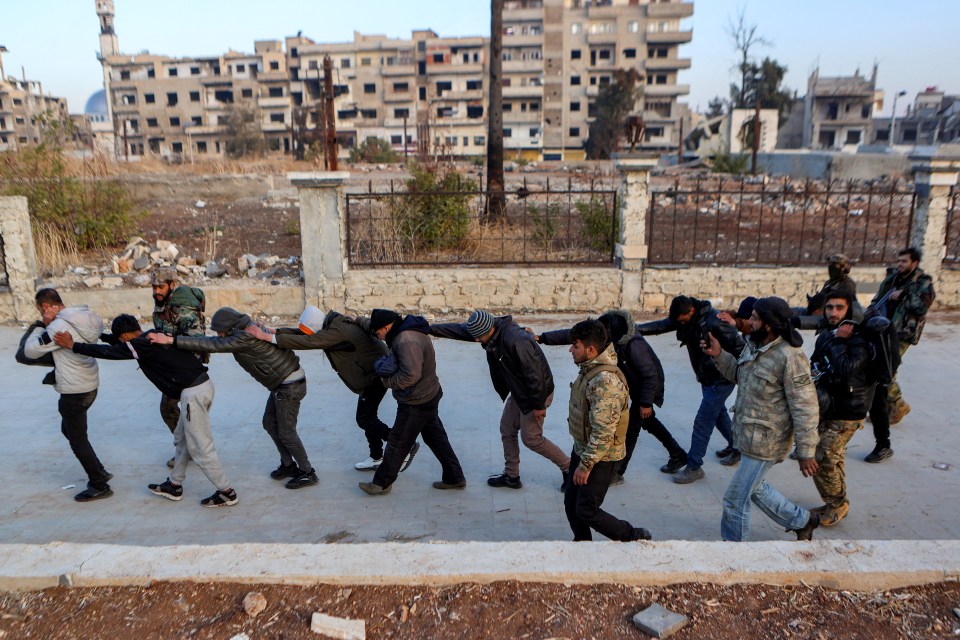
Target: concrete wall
165, 185
838, 166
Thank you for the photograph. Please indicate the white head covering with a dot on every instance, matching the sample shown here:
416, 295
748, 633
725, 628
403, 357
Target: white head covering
311, 320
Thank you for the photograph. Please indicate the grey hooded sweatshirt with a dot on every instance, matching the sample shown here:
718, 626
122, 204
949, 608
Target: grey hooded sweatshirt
75, 373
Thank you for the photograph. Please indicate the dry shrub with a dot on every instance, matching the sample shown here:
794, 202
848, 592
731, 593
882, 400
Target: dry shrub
56, 249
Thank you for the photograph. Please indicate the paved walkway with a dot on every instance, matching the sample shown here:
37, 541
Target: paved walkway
904, 498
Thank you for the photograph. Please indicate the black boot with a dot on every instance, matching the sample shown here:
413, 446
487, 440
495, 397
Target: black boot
676, 462
806, 532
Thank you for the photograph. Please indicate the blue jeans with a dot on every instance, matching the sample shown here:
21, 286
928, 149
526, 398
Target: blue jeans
712, 413
748, 485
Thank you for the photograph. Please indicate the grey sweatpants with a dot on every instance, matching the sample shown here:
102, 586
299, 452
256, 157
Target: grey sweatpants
194, 439
514, 422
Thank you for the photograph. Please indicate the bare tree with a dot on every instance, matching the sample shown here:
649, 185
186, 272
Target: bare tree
745, 38
496, 200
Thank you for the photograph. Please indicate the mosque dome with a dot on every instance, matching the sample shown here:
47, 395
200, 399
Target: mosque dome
97, 104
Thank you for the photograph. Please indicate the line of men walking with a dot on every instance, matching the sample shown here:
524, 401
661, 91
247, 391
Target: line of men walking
781, 404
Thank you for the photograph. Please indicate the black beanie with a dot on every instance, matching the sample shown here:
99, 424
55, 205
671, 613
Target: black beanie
777, 313
380, 318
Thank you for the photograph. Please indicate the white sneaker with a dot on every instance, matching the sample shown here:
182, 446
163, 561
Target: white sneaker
370, 464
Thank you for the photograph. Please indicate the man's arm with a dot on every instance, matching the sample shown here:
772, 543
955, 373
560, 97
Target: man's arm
410, 362
40, 341
605, 393
656, 327
801, 403
555, 338
328, 339
727, 334
535, 373
237, 341
103, 351
451, 330
640, 358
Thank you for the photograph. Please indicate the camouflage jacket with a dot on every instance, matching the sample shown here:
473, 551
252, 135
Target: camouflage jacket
776, 400
599, 413
182, 314
908, 314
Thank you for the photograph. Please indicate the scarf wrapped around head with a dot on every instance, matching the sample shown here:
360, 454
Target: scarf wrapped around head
777, 314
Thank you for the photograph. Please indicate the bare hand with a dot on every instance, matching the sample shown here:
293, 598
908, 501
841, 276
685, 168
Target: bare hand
844, 331
725, 316
532, 333
48, 314
258, 332
540, 414
808, 467
160, 338
63, 339
580, 476
646, 412
895, 295
712, 349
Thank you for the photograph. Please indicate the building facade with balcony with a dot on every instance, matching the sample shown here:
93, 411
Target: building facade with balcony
838, 111
423, 92
23, 108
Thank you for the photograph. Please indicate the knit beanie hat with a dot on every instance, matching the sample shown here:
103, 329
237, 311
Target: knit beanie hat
745, 310
777, 313
479, 323
311, 320
380, 318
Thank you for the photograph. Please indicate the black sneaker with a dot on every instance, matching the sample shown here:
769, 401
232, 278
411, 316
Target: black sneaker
285, 471
674, 464
503, 480
91, 493
723, 453
307, 479
731, 460
410, 456
639, 533
226, 498
879, 454
167, 490
616, 479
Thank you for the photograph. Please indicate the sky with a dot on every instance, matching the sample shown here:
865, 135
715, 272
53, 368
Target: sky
56, 41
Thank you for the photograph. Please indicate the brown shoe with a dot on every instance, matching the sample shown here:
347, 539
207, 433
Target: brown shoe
898, 411
829, 516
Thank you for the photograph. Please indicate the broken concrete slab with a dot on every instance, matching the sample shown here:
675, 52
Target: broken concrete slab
659, 622
339, 628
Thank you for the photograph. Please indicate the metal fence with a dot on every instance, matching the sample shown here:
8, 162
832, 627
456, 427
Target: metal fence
746, 221
571, 224
4, 278
952, 255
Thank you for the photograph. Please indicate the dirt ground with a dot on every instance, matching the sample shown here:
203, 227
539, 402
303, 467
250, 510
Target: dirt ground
498, 610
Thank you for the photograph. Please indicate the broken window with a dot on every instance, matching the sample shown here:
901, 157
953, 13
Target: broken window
629, 53
177, 147
653, 132
604, 54
370, 87
134, 124
422, 93
574, 80
575, 105
274, 65
194, 71
246, 93
451, 141
574, 132
275, 92
194, 96
534, 132
909, 135
369, 113
401, 87
474, 112
396, 139
438, 58
865, 111
130, 98
152, 122
444, 112
444, 86
151, 73
474, 85
276, 117
833, 110
575, 54
346, 114
223, 96
197, 120
201, 146
479, 140
853, 137
507, 106
507, 133
401, 113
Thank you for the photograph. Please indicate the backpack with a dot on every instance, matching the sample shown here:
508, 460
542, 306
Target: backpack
883, 345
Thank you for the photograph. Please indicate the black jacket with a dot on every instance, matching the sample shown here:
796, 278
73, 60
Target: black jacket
170, 370
689, 336
845, 377
351, 350
635, 358
269, 364
517, 364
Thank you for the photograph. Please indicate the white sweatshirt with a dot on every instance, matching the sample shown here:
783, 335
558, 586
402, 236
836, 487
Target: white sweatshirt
75, 373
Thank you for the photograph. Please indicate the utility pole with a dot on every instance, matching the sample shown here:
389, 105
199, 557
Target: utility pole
680, 144
330, 148
496, 198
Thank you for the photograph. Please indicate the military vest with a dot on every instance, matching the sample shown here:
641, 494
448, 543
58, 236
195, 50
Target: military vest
579, 417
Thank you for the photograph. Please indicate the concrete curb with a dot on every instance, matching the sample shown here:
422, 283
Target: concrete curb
855, 565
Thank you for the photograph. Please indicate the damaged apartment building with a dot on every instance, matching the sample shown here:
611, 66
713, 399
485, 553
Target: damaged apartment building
838, 111
423, 91
23, 105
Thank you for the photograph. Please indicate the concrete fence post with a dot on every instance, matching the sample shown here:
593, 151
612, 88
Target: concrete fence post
935, 175
19, 255
632, 246
323, 235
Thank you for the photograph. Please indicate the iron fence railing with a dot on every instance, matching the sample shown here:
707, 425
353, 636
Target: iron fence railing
952, 241
727, 221
573, 224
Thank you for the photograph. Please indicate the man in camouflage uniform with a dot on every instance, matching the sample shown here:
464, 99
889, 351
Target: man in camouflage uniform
776, 406
177, 311
598, 419
838, 268
904, 297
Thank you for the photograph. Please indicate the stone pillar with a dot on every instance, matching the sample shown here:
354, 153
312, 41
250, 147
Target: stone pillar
19, 255
935, 174
323, 235
634, 198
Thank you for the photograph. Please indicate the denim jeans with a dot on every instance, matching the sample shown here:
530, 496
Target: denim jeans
712, 413
280, 422
749, 486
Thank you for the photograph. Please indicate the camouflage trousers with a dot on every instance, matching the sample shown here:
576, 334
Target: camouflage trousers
894, 395
830, 477
170, 412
